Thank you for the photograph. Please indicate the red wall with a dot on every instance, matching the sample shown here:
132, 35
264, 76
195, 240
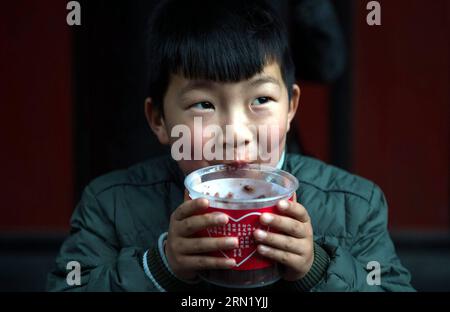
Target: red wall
36, 116
312, 120
401, 103
402, 109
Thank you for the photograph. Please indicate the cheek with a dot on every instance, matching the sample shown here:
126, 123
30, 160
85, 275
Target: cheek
195, 135
189, 165
178, 118
276, 137
276, 129
275, 141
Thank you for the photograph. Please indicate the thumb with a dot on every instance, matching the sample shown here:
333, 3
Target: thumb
186, 195
294, 197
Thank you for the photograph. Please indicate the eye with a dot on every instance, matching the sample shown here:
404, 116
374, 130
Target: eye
261, 101
202, 106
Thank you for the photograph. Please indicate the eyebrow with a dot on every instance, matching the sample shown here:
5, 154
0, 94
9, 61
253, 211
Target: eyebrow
197, 84
262, 80
207, 84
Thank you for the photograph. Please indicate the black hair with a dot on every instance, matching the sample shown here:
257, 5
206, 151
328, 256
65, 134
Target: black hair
220, 40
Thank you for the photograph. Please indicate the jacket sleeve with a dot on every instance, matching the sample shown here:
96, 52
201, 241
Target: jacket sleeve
104, 265
351, 267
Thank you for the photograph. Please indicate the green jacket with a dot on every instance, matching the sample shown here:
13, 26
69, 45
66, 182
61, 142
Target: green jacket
123, 214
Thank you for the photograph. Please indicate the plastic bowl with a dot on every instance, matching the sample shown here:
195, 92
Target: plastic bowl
243, 194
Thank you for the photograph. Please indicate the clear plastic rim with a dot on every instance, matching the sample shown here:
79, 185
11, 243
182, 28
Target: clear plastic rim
217, 168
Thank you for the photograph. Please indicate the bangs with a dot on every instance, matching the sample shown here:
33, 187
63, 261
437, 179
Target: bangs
221, 57
221, 41
223, 54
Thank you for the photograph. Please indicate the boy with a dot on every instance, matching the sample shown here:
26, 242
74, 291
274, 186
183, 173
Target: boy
226, 63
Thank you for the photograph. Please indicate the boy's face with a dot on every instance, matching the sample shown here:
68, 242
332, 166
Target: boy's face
242, 110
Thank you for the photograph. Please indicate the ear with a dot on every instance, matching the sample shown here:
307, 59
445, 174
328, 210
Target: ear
293, 105
156, 122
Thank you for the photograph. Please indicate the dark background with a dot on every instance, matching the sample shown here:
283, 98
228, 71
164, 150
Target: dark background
71, 108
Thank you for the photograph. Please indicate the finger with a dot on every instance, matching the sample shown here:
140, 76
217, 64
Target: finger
284, 224
280, 241
206, 244
191, 225
294, 197
199, 263
287, 258
186, 195
294, 210
190, 207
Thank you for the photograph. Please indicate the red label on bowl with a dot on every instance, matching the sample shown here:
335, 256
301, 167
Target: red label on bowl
242, 224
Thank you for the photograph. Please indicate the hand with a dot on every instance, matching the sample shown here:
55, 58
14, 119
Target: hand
183, 252
293, 246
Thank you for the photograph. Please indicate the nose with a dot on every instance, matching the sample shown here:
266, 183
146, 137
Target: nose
236, 136
237, 130
238, 133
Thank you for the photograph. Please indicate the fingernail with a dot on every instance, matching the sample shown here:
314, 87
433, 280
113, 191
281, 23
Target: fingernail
231, 241
221, 218
267, 218
283, 205
263, 249
260, 234
231, 262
